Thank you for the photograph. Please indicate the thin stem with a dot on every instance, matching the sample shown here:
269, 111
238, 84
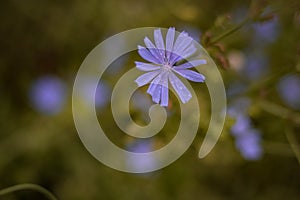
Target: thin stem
278, 148
237, 27
287, 114
280, 111
28, 186
230, 31
293, 142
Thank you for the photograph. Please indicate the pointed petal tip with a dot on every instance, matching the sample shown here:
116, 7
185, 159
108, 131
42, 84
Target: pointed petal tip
184, 33
171, 29
164, 105
196, 63
146, 39
190, 75
184, 101
155, 101
138, 84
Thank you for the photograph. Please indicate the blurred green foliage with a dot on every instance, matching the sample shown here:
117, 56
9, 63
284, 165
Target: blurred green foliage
46, 37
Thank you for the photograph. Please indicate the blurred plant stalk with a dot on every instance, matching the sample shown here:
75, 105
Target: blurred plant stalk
28, 186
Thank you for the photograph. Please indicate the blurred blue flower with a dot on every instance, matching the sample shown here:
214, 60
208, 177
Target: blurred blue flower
257, 66
238, 14
266, 32
289, 90
242, 125
239, 107
102, 95
141, 146
48, 95
249, 144
247, 138
162, 68
117, 65
235, 88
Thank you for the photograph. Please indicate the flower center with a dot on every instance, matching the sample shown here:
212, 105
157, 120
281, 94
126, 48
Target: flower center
167, 67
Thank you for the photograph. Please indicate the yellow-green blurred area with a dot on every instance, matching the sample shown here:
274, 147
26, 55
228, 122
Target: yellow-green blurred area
43, 43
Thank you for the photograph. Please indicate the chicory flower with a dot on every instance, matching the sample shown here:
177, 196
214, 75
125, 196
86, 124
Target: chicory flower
163, 68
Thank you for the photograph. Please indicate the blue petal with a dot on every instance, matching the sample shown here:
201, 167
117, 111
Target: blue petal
154, 51
146, 66
190, 75
157, 94
188, 51
183, 48
177, 56
182, 42
164, 96
157, 88
155, 91
164, 89
144, 53
159, 39
183, 93
174, 58
170, 42
190, 64
152, 88
157, 81
146, 78
161, 79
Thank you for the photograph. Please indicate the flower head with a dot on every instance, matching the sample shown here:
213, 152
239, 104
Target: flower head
145, 162
249, 144
247, 138
48, 95
289, 90
162, 69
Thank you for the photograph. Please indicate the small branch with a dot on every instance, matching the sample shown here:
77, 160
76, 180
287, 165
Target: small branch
293, 142
277, 148
286, 114
280, 111
230, 31
28, 186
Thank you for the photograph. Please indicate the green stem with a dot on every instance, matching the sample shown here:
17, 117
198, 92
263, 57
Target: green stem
230, 31
286, 114
28, 186
278, 148
280, 111
293, 142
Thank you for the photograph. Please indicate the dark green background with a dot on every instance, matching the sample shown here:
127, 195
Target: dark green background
42, 37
